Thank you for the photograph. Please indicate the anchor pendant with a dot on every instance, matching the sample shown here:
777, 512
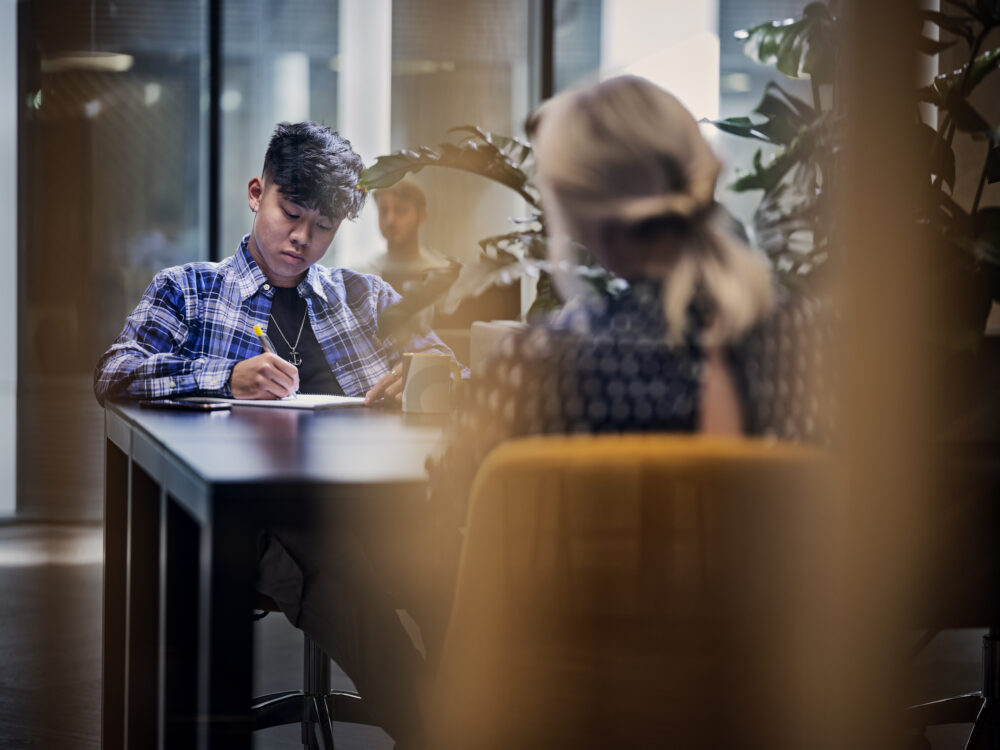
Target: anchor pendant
294, 358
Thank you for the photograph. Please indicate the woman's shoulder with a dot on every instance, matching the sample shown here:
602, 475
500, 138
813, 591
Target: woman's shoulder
799, 311
798, 322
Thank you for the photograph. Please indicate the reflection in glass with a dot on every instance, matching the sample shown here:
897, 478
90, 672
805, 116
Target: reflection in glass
459, 64
279, 64
110, 134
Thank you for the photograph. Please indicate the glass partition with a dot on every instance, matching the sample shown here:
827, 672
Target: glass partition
279, 62
459, 64
110, 188
741, 85
112, 103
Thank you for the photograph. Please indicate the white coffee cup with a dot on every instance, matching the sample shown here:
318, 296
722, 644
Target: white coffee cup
429, 379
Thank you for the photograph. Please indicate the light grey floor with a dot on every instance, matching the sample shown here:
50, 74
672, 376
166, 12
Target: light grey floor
50, 636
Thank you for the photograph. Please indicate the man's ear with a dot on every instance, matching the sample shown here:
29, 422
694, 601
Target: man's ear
255, 191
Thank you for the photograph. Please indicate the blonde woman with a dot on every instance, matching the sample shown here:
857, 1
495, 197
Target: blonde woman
697, 342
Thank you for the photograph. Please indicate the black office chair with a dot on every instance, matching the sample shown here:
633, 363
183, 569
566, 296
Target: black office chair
981, 709
315, 706
962, 568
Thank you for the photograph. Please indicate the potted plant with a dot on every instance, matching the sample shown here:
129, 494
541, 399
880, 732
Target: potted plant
792, 221
503, 258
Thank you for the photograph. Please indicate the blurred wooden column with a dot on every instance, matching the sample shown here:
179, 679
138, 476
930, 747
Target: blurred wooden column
886, 399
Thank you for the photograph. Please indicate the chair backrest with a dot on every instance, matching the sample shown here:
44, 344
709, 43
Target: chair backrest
631, 591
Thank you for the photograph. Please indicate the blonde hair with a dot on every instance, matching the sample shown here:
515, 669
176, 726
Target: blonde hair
624, 171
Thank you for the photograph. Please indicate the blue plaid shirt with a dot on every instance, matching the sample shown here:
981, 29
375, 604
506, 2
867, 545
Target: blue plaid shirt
195, 322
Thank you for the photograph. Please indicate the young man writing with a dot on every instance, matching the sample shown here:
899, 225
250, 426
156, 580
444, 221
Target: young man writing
192, 333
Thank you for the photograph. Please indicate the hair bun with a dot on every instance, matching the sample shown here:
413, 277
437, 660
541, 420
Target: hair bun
690, 205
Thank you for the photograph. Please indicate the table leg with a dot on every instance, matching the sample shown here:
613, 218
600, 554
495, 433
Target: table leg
116, 466
179, 645
227, 573
142, 621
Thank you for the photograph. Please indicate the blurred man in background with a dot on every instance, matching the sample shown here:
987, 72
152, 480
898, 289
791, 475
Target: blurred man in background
402, 209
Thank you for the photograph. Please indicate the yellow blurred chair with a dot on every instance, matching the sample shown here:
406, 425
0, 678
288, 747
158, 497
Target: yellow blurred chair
635, 591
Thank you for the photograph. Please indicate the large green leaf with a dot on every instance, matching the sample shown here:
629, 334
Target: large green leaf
409, 316
787, 115
993, 165
803, 47
516, 150
984, 15
987, 232
817, 138
744, 127
532, 241
950, 226
547, 299
477, 277
966, 118
777, 101
790, 228
932, 46
962, 5
444, 292
988, 11
940, 154
950, 89
930, 94
764, 177
959, 25
784, 118
479, 153
942, 210
959, 296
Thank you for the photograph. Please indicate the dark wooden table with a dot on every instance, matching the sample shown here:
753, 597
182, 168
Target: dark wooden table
186, 494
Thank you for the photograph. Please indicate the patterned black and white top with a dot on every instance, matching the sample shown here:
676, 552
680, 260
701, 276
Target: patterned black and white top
609, 369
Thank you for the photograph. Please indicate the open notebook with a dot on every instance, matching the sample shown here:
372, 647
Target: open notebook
296, 401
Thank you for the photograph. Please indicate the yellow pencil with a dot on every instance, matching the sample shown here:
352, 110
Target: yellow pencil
264, 340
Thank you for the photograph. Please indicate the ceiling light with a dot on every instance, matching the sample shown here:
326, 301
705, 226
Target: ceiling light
97, 62
152, 93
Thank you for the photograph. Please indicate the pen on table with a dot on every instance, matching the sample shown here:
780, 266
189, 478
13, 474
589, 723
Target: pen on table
264, 340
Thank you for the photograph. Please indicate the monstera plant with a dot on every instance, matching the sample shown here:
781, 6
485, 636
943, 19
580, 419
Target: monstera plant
503, 259
805, 135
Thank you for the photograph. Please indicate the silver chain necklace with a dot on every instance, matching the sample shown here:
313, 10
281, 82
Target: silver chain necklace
293, 356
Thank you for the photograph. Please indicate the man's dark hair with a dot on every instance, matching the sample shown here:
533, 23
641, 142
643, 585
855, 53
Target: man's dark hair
315, 167
407, 191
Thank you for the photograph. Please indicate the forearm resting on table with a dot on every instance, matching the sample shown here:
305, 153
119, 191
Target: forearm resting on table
128, 375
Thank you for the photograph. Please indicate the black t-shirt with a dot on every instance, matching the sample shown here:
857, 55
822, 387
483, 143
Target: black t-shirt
288, 315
